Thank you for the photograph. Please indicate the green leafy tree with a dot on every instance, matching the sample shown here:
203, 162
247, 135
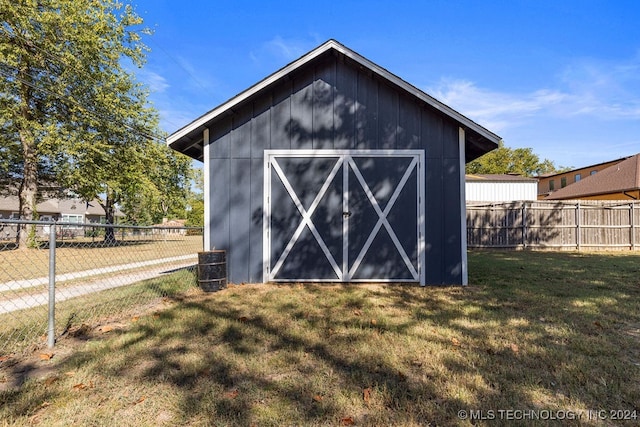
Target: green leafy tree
160, 188
69, 108
195, 211
505, 160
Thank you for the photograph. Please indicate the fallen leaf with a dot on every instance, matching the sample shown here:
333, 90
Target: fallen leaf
366, 395
51, 380
106, 329
46, 356
455, 341
357, 312
231, 394
135, 318
139, 400
318, 398
347, 421
514, 348
374, 322
80, 386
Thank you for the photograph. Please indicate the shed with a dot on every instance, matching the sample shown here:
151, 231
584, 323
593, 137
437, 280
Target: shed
334, 169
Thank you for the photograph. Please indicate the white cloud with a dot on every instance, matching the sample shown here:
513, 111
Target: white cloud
284, 49
494, 109
605, 91
287, 49
153, 80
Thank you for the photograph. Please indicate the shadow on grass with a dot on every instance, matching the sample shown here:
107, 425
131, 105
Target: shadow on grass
532, 331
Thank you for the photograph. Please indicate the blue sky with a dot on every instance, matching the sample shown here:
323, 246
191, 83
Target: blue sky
559, 76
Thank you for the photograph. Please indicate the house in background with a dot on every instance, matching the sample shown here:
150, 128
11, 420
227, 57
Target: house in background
500, 188
75, 211
619, 181
549, 183
173, 227
48, 210
334, 169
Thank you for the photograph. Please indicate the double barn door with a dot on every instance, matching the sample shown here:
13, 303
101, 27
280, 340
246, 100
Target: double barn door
344, 215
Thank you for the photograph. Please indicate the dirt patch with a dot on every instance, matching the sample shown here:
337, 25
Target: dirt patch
44, 363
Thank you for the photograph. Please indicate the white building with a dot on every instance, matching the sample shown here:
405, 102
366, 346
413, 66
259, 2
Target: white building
500, 188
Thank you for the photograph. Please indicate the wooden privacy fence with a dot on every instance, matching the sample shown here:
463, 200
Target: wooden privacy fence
580, 224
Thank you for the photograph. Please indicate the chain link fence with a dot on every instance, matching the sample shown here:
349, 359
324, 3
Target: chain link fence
72, 275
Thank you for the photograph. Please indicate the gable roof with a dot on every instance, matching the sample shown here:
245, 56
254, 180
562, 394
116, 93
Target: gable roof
621, 177
188, 139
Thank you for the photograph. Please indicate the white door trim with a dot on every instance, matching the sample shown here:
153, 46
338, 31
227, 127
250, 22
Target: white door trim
344, 159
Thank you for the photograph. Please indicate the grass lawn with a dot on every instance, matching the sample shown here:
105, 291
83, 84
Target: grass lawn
77, 256
533, 331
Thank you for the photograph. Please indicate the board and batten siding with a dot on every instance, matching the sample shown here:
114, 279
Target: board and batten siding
329, 104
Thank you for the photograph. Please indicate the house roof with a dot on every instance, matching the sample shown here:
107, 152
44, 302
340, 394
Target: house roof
188, 139
498, 178
621, 177
552, 174
58, 206
12, 204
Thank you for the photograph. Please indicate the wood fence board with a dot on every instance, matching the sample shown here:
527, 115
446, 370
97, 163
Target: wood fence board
583, 224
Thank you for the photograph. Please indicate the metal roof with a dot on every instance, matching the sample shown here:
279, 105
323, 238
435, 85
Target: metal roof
498, 178
188, 139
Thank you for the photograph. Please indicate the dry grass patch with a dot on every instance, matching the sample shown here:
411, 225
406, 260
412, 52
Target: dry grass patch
549, 331
78, 256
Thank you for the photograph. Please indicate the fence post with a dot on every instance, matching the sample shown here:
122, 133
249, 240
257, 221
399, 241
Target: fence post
524, 224
51, 332
632, 237
578, 225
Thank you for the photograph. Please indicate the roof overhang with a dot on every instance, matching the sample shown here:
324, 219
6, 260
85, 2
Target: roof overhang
189, 140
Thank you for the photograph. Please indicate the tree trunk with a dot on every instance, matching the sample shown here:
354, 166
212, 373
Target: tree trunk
28, 190
29, 184
109, 212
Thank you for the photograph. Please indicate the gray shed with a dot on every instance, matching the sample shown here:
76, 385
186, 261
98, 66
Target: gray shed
334, 169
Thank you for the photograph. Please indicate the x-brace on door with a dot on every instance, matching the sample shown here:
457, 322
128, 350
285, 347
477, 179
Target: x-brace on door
344, 215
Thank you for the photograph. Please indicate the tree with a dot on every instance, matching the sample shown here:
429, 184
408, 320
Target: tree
67, 104
159, 186
195, 211
504, 160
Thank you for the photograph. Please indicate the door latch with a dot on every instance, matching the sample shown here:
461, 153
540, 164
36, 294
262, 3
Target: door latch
346, 214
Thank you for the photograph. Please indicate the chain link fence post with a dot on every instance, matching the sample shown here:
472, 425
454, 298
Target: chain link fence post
51, 333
